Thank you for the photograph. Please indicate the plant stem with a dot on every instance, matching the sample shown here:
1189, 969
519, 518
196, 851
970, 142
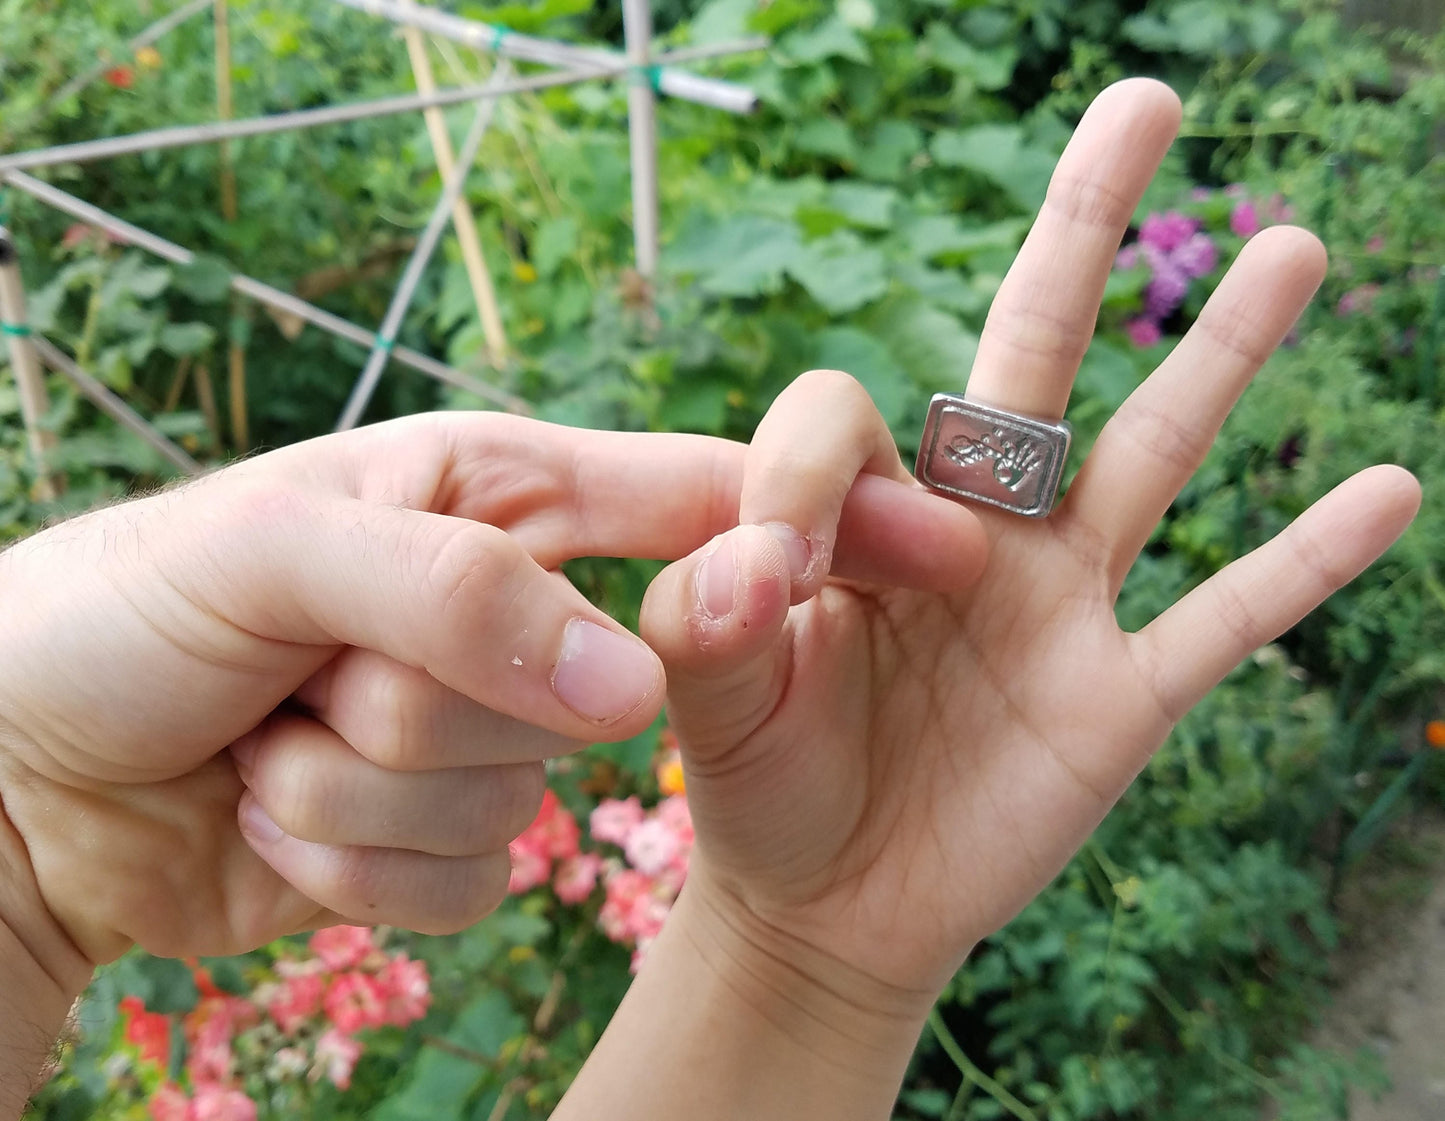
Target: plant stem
972, 1074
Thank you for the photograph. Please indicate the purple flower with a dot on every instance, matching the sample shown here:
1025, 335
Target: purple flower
1197, 256
1167, 232
1128, 257
1143, 332
1244, 219
1165, 292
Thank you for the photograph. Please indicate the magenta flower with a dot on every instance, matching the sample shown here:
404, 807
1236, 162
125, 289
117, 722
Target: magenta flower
1165, 292
1197, 256
1167, 232
1128, 257
1244, 219
1143, 332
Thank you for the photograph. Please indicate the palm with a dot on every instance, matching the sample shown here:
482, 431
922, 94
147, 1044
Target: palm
888, 775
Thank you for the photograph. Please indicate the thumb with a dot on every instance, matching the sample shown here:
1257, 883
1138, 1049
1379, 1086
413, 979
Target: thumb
717, 620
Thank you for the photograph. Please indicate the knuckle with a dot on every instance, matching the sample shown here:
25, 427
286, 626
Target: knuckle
1086, 201
477, 566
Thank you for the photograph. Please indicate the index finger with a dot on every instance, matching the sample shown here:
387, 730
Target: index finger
1043, 317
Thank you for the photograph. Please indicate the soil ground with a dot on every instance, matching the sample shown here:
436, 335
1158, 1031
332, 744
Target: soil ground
1390, 970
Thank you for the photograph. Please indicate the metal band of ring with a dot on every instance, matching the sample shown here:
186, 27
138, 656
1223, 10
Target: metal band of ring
979, 453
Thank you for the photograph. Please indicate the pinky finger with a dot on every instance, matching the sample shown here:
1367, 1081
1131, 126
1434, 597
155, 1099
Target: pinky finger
1211, 630
414, 890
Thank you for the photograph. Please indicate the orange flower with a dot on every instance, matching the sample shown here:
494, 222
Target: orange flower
1435, 733
121, 77
148, 1032
149, 58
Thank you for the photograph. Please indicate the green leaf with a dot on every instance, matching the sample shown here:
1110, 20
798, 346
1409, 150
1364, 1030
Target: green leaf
934, 347
988, 69
933, 236
830, 39
695, 405
840, 272
556, 241
863, 204
890, 149
179, 339
1107, 374
207, 280
999, 153
865, 356
827, 136
742, 256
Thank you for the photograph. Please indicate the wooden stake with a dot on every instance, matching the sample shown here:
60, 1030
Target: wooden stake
29, 379
206, 395
642, 130
462, 219
236, 353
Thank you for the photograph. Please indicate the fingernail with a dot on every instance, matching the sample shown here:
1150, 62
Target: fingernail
717, 580
257, 823
795, 548
602, 675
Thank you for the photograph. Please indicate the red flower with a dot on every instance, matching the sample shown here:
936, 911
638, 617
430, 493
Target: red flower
148, 1032
355, 1001
121, 77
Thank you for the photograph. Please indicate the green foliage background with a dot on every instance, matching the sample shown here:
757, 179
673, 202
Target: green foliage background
862, 219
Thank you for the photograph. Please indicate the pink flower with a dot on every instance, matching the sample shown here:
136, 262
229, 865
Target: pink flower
343, 947
1128, 257
1376, 244
651, 847
169, 1103
354, 1001
1235, 191
675, 813
555, 830
1279, 210
210, 1061
635, 907
296, 1000
577, 877
405, 990
1143, 332
336, 1056
221, 1103
1360, 299
148, 1032
1244, 219
613, 821
530, 866
1197, 256
1166, 232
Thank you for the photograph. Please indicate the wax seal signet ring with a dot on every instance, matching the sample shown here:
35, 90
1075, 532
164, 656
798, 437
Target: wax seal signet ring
982, 454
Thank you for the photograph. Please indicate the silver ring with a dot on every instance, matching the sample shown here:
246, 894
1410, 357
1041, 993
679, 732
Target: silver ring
982, 454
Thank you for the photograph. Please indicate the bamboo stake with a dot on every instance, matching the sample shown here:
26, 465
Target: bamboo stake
261, 293
206, 398
236, 353
178, 385
462, 220
642, 129
183, 136
29, 379
510, 44
113, 406
425, 246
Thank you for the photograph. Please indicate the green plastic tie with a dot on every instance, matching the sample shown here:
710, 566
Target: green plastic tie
19, 330
498, 34
386, 346
646, 76
4, 206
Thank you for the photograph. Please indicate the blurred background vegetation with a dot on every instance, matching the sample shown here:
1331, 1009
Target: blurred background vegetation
861, 219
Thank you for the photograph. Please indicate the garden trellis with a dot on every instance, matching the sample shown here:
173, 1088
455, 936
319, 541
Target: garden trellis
648, 74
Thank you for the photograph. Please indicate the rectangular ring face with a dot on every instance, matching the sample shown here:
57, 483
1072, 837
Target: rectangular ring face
986, 455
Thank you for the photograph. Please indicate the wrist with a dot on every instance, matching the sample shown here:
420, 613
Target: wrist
41, 974
846, 1018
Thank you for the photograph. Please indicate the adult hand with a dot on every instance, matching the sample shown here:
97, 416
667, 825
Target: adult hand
879, 778
373, 625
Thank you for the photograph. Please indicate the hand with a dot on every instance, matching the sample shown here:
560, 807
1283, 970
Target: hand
879, 778
373, 626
